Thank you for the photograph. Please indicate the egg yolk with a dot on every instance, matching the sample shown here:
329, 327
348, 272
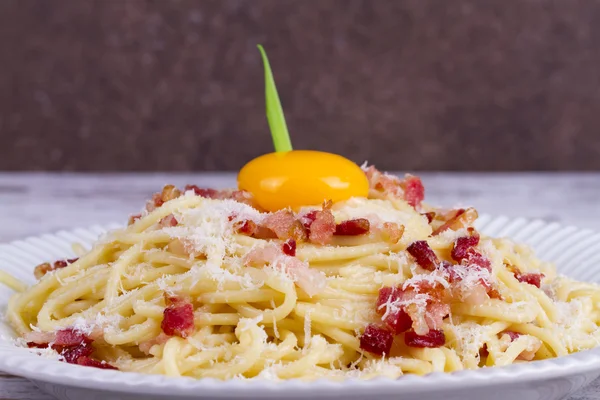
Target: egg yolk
301, 178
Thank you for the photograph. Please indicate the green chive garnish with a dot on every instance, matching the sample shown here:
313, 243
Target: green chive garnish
279, 131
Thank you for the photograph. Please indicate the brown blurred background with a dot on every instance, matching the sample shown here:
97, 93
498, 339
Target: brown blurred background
122, 85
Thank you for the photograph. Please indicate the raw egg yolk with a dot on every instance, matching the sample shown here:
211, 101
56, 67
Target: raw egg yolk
301, 178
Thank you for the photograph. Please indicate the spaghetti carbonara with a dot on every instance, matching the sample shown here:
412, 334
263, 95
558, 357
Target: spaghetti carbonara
204, 283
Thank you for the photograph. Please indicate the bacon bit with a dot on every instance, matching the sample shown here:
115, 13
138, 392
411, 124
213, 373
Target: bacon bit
208, 193
414, 191
423, 255
459, 219
168, 221
429, 215
483, 352
385, 293
247, 227
392, 232
409, 189
353, 227
44, 268
308, 219
310, 280
435, 313
376, 340
493, 293
74, 346
321, 230
285, 226
91, 362
462, 246
243, 196
434, 338
401, 318
70, 337
397, 319
73, 353
169, 193
477, 259
513, 335
39, 339
289, 247
178, 319
530, 278
133, 219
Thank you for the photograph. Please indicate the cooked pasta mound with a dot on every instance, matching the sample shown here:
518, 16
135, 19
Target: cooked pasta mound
204, 283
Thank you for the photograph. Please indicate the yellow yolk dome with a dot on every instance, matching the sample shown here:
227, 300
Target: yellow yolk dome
301, 178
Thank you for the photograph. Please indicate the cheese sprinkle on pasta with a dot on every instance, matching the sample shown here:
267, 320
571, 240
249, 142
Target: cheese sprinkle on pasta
204, 283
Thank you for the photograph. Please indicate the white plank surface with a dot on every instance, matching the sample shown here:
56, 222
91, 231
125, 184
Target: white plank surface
32, 204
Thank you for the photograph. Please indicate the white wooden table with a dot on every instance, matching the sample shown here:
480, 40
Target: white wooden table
32, 204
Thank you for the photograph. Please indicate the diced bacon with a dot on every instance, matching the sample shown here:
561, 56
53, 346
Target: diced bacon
161, 338
308, 218
133, 219
530, 278
458, 219
483, 351
321, 230
400, 312
513, 335
289, 247
75, 347
386, 295
168, 193
376, 340
434, 338
168, 221
429, 215
475, 295
398, 321
353, 227
44, 268
178, 319
423, 254
395, 318
435, 313
241, 196
409, 189
477, 259
462, 245
414, 191
285, 226
70, 337
392, 232
91, 362
493, 293
39, 339
309, 280
260, 256
247, 227
208, 193
71, 354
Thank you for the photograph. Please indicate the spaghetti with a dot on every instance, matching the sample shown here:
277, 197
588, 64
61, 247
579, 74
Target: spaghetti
205, 284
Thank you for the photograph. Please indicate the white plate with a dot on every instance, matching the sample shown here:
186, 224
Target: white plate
576, 253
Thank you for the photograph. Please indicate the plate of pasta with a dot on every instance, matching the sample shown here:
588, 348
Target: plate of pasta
207, 292
313, 278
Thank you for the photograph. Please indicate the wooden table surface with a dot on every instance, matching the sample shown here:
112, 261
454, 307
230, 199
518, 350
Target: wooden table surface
32, 204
